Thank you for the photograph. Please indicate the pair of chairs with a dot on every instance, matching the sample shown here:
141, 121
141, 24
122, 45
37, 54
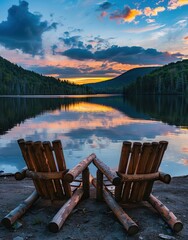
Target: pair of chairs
132, 183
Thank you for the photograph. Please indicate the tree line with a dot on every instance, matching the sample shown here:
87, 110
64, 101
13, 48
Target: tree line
169, 79
14, 80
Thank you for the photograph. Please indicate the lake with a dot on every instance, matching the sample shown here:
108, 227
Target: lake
99, 124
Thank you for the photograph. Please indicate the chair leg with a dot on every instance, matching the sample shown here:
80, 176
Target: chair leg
60, 217
166, 214
86, 183
127, 222
99, 188
16, 213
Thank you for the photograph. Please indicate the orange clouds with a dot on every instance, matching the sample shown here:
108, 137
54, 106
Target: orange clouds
153, 12
185, 149
186, 39
173, 4
127, 14
131, 15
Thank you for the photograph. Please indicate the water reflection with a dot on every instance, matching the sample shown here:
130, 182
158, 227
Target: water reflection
90, 124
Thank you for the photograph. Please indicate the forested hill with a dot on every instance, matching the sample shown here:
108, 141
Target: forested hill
117, 84
15, 80
169, 79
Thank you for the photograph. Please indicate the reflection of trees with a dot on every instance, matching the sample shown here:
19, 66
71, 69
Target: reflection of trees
17, 110
169, 109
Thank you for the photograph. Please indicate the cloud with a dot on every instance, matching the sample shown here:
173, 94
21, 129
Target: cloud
182, 23
73, 41
67, 72
78, 54
148, 28
104, 6
23, 30
125, 55
149, 20
153, 12
160, 1
173, 4
186, 39
127, 14
104, 14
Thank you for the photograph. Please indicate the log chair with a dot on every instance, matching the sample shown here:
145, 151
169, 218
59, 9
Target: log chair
47, 168
133, 182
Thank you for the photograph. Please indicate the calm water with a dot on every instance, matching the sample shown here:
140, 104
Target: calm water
95, 124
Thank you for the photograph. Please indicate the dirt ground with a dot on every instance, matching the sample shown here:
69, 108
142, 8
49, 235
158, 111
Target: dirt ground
92, 220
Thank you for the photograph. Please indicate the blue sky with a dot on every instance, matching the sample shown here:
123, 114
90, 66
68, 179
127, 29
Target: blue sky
86, 40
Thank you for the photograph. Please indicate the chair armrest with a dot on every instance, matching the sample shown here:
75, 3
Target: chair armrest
164, 177
112, 176
74, 172
21, 174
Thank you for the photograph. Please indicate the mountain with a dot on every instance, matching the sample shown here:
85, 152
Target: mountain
117, 84
169, 79
15, 80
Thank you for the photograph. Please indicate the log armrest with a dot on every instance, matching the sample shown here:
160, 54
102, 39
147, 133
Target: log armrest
39, 175
112, 176
164, 177
79, 168
21, 174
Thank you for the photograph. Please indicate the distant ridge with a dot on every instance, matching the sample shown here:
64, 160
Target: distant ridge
117, 84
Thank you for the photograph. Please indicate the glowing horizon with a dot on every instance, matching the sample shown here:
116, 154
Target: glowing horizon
86, 80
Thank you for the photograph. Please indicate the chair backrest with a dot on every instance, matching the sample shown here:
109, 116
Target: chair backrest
138, 158
46, 165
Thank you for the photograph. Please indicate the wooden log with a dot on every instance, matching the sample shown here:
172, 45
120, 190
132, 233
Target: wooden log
29, 160
139, 177
137, 191
99, 186
46, 175
74, 172
164, 177
154, 166
32, 160
59, 191
130, 226
112, 176
166, 214
61, 164
145, 190
60, 217
86, 183
124, 158
41, 160
131, 169
21, 174
10, 218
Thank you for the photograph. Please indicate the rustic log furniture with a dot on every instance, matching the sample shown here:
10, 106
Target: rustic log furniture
133, 182
46, 166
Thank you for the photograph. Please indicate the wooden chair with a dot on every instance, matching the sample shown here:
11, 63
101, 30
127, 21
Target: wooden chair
137, 171
46, 166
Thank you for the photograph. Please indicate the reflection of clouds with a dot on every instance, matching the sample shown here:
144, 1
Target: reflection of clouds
184, 161
8, 168
60, 123
88, 128
185, 149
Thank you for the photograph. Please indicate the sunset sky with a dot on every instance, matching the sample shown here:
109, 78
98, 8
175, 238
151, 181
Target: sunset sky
90, 40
